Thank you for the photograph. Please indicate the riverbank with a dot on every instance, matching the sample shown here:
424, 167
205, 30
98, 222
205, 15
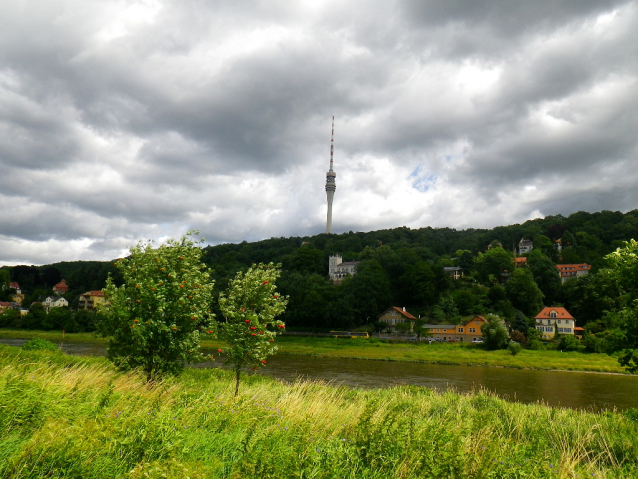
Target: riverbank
374, 349
65, 416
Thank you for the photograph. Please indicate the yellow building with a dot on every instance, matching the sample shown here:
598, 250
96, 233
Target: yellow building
91, 300
470, 331
553, 321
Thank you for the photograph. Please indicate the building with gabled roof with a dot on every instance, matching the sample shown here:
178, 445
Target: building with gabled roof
61, 287
469, 331
554, 320
395, 315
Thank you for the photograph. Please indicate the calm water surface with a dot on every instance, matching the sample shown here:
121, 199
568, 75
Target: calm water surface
566, 389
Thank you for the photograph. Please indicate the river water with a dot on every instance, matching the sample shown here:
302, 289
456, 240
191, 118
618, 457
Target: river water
593, 391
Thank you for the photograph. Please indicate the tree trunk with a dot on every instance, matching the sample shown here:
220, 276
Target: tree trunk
237, 373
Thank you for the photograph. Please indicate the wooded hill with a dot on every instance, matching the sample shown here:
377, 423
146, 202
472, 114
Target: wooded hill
403, 267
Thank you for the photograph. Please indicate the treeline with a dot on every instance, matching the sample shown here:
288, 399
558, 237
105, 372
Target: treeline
404, 267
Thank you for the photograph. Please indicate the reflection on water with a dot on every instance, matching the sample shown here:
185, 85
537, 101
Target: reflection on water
556, 388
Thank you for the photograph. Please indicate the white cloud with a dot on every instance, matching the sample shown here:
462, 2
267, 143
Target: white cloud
127, 120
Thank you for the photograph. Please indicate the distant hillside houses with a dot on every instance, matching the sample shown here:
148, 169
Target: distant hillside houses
90, 300
568, 271
54, 302
525, 246
338, 269
61, 287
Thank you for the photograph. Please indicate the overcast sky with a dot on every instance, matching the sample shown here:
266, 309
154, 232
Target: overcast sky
129, 120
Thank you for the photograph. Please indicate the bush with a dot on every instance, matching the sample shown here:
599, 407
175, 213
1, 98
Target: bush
514, 347
567, 342
536, 345
37, 344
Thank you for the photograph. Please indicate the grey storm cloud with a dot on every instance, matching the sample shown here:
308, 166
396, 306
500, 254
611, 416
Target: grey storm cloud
139, 119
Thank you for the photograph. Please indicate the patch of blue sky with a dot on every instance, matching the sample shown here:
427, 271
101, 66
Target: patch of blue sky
422, 180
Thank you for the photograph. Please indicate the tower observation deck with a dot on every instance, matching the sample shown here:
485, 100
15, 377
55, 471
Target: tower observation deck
331, 186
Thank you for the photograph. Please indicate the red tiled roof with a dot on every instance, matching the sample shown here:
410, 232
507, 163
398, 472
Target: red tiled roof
94, 293
561, 313
404, 313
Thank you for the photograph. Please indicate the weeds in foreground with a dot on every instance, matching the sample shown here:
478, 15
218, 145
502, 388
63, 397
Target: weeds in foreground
78, 418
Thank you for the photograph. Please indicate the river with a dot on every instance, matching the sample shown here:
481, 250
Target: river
592, 391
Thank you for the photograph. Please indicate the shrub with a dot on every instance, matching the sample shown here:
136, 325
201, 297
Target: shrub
536, 345
37, 344
567, 342
514, 347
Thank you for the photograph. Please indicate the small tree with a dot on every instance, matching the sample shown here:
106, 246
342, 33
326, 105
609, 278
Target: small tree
514, 348
250, 306
495, 334
153, 320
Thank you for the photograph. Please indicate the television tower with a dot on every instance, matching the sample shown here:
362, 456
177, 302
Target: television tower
330, 181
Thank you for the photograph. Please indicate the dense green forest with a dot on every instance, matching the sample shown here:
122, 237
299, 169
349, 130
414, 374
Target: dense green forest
404, 267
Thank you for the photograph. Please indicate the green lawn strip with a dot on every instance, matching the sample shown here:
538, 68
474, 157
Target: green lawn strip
62, 416
436, 353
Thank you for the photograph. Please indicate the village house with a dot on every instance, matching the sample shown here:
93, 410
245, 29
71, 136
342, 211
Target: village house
394, 315
54, 302
338, 269
568, 271
454, 272
61, 287
525, 246
468, 331
91, 300
555, 320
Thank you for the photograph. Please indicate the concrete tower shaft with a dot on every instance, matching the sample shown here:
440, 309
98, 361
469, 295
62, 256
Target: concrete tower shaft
331, 186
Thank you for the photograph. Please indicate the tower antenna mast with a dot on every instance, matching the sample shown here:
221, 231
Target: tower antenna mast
331, 186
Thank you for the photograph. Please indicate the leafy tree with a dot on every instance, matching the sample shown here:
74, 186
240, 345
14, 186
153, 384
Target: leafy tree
518, 337
567, 342
379, 326
494, 262
446, 310
59, 318
465, 260
153, 320
546, 276
34, 318
51, 276
250, 306
523, 292
495, 334
369, 289
624, 323
10, 318
588, 297
520, 322
419, 284
306, 260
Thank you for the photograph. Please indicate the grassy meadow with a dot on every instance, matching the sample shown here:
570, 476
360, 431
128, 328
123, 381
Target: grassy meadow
72, 417
374, 349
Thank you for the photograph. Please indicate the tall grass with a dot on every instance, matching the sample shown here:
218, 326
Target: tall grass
69, 417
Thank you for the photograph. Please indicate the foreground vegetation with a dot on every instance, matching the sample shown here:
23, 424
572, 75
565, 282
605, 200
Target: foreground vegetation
374, 349
62, 416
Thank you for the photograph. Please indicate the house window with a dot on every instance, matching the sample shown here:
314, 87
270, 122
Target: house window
552, 315
460, 330
472, 330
